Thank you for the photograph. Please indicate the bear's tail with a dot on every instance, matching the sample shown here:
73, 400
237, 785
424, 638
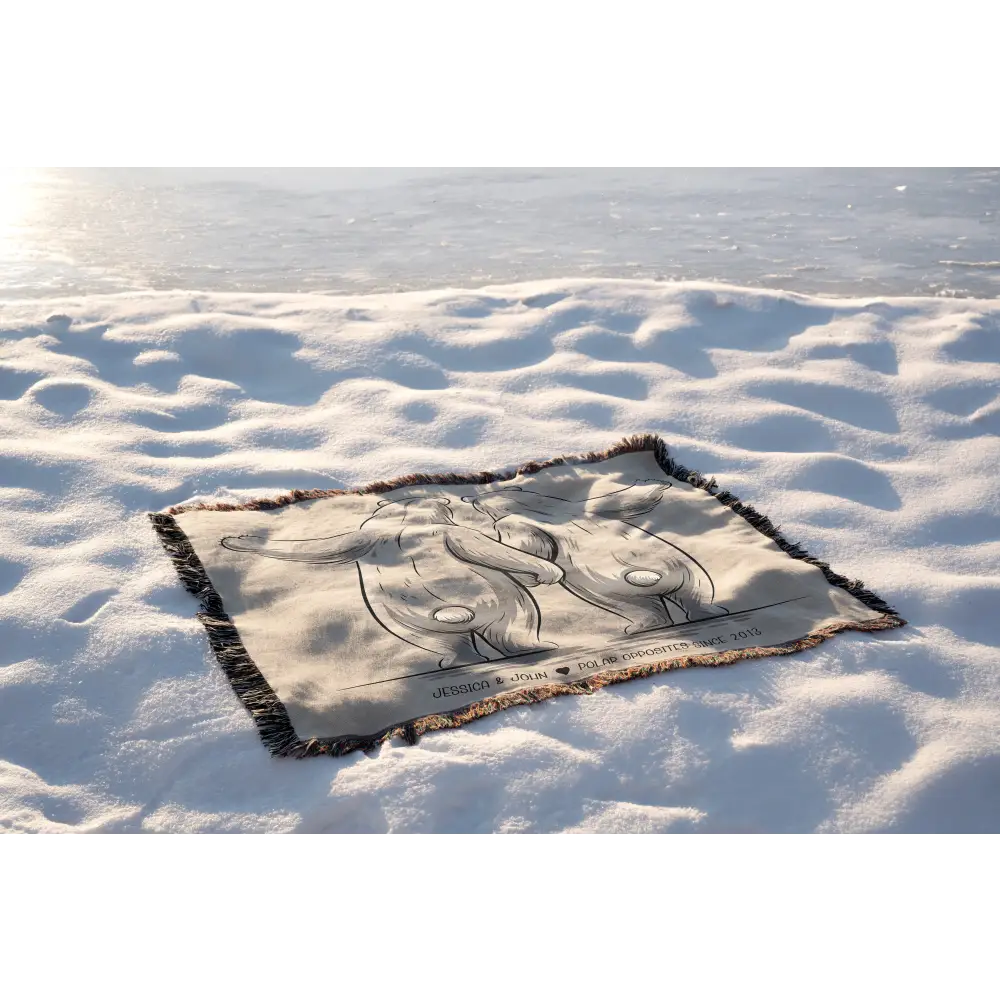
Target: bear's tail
337, 550
633, 501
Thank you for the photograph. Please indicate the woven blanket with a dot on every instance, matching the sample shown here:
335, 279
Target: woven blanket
342, 618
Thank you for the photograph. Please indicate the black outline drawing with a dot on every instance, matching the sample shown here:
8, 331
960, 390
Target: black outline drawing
607, 560
473, 587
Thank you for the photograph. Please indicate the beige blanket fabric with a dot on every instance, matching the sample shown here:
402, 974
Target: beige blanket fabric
343, 617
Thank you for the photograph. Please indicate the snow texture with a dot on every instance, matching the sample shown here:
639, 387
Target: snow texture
868, 429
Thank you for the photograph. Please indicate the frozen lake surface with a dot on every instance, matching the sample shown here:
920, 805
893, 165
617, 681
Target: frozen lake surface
832, 232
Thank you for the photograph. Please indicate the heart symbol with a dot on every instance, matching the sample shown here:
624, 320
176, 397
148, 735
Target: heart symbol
562, 670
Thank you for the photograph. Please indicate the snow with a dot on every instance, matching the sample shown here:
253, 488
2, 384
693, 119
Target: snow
866, 427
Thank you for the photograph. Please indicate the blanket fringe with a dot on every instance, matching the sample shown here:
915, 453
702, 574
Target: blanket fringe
248, 682
269, 714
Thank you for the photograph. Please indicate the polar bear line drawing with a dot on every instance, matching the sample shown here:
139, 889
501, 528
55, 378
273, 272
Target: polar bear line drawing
433, 583
607, 561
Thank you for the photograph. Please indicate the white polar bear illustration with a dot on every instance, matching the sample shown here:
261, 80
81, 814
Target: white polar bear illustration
608, 562
429, 581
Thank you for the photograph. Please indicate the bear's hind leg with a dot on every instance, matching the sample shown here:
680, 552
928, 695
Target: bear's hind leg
456, 649
515, 632
695, 596
645, 613
641, 611
693, 607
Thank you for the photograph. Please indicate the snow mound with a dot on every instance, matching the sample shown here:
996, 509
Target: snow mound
868, 429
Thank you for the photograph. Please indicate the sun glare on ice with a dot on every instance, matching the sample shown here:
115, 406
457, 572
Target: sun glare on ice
16, 198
